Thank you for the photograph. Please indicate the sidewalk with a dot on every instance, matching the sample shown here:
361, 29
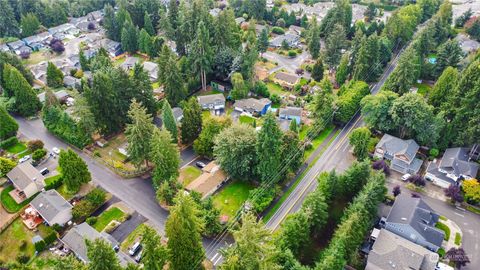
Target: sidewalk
454, 229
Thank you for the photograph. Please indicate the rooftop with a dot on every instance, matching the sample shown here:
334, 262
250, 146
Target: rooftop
291, 111
49, 203
252, 104
25, 174
397, 146
207, 99
286, 77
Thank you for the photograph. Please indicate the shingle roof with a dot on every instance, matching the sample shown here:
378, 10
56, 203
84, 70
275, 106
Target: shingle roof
252, 104
395, 146
208, 99
290, 38
49, 204
291, 111
416, 213
391, 252
456, 161
25, 174
150, 66
177, 112
289, 78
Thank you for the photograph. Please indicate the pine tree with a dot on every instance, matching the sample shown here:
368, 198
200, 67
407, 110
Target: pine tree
202, 53
74, 170
168, 121
139, 133
144, 42
449, 54
183, 229
148, 25
262, 45
444, 89
30, 24
164, 156
367, 66
343, 69
293, 126
26, 101
192, 121
101, 255
318, 70
9, 126
143, 91
50, 99
154, 254
54, 76
269, 149
291, 148
129, 37
84, 62
8, 23
110, 23
405, 74
314, 41
174, 87
334, 45
226, 34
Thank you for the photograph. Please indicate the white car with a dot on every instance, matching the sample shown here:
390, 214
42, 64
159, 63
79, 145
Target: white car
406, 176
23, 159
56, 150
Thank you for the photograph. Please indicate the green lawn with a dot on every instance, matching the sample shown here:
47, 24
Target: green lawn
51, 179
107, 216
423, 88
9, 203
274, 88
245, 119
16, 148
132, 237
62, 190
230, 198
188, 174
303, 81
16, 240
318, 140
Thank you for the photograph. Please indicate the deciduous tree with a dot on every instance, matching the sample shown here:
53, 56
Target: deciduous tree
203, 145
359, 139
376, 110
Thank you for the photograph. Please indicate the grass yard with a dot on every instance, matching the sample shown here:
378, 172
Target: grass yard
318, 140
132, 237
274, 88
444, 228
16, 240
9, 203
423, 89
111, 155
16, 148
245, 119
62, 190
52, 179
188, 174
107, 216
36, 57
303, 81
231, 198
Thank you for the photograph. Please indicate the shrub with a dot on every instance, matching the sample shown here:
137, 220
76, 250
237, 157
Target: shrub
441, 252
55, 183
417, 180
381, 165
50, 238
458, 239
8, 142
445, 229
23, 245
35, 145
25, 54
96, 197
57, 45
23, 258
292, 53
62, 125
91, 221
40, 246
278, 30
39, 154
275, 98
434, 152
57, 227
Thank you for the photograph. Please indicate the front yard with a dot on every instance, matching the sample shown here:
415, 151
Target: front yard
16, 148
112, 156
107, 216
317, 141
274, 88
16, 240
188, 174
132, 237
9, 203
229, 199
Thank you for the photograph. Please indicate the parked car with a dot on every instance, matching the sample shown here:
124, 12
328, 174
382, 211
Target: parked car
135, 248
200, 164
405, 176
138, 258
56, 150
23, 159
44, 171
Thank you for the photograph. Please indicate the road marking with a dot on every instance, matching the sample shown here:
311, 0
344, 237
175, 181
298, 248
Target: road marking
346, 135
218, 260
216, 255
458, 214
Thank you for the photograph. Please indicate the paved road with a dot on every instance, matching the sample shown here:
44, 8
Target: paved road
287, 63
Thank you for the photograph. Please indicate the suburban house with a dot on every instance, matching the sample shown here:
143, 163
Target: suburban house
467, 44
61, 95
52, 207
293, 40
15, 45
27, 181
214, 102
75, 238
63, 30
37, 42
412, 219
400, 152
4, 48
209, 181
283, 124
113, 48
152, 69
286, 80
129, 63
220, 86
455, 165
252, 106
297, 30
391, 252
291, 113
71, 82
177, 114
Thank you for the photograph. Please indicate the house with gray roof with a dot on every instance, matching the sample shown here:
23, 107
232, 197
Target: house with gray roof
452, 168
15, 45
75, 240
400, 152
253, 106
129, 63
27, 180
71, 82
214, 102
152, 69
284, 124
392, 252
52, 207
412, 219
63, 30
177, 114
467, 44
4, 48
291, 113
293, 40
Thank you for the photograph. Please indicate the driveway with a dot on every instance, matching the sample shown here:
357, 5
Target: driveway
127, 227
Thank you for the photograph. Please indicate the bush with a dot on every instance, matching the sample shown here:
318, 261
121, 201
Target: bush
55, 183
434, 152
23, 258
260, 203
50, 238
417, 180
40, 246
57, 227
275, 98
8, 142
39, 154
62, 125
23, 245
292, 53
445, 229
35, 145
441, 252
57, 45
278, 30
96, 197
91, 221
458, 239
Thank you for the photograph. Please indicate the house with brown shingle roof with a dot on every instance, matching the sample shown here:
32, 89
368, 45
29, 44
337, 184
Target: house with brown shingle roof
286, 80
209, 181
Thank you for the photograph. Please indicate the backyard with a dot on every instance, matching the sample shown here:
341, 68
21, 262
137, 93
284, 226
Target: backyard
229, 199
423, 89
9, 203
16, 240
188, 174
107, 216
274, 88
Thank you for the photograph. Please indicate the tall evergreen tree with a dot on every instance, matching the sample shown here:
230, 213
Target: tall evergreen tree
144, 42
29, 24
405, 73
360, 139
318, 70
84, 62
263, 43
101, 255
8, 23
323, 108
9, 126
175, 90
444, 89
143, 91
343, 69
168, 121
183, 229
202, 53
154, 254
26, 101
148, 25
74, 170
333, 46
165, 157
367, 65
269, 149
50, 99
110, 23
292, 150
191, 121
129, 37
54, 76
449, 54
314, 39
139, 133
203, 145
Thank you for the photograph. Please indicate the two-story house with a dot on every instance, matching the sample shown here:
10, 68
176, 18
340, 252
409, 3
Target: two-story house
214, 102
455, 165
412, 219
252, 106
27, 181
400, 152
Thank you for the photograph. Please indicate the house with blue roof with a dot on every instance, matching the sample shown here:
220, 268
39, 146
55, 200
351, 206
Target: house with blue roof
291, 113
